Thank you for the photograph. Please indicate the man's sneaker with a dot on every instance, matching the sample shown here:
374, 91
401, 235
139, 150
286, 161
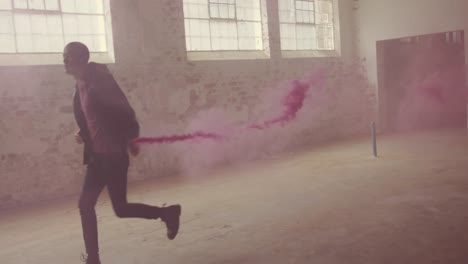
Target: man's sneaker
171, 217
90, 259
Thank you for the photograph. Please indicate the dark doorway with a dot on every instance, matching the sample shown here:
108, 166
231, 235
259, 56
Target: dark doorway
422, 82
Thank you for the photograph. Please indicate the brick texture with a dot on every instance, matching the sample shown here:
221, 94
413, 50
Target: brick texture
39, 158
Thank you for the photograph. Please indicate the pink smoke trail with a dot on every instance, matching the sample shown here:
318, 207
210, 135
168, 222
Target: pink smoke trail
292, 103
294, 100
174, 138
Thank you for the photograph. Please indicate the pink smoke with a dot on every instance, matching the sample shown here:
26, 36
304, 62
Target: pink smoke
175, 138
283, 118
424, 83
292, 102
435, 101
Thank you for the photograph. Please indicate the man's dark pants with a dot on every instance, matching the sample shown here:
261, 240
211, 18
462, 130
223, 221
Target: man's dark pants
108, 170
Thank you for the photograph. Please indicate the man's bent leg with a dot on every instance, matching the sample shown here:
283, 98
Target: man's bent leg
117, 184
116, 178
92, 187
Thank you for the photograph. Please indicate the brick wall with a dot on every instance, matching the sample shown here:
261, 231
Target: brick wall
38, 157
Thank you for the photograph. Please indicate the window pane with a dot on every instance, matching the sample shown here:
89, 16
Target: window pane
23, 4
22, 24
8, 43
56, 43
24, 43
96, 7
51, 4
299, 5
5, 4
84, 25
323, 18
196, 9
325, 37
324, 12
288, 36
248, 10
199, 28
286, 4
324, 6
298, 20
6, 23
68, 5
234, 25
203, 11
54, 24
308, 17
205, 43
232, 12
83, 6
87, 40
187, 27
98, 25
306, 37
70, 24
195, 28
304, 5
214, 11
71, 38
287, 11
224, 35
106, 4
36, 4
288, 16
224, 11
250, 36
299, 17
187, 34
100, 44
325, 44
198, 34
39, 24
40, 43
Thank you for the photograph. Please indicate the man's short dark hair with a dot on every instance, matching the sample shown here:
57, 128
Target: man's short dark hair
79, 50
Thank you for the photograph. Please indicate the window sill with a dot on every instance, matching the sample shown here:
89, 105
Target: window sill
47, 59
227, 55
310, 53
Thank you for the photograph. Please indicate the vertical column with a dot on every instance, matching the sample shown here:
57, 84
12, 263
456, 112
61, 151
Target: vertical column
274, 29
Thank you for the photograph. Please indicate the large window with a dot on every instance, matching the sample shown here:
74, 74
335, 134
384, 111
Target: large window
307, 25
223, 25
45, 26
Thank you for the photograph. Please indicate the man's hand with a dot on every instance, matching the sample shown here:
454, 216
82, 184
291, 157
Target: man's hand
133, 148
78, 138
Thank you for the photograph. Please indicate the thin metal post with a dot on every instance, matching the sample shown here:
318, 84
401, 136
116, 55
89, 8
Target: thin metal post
374, 140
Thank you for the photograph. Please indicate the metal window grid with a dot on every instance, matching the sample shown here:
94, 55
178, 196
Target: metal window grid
229, 20
304, 23
217, 3
296, 9
29, 10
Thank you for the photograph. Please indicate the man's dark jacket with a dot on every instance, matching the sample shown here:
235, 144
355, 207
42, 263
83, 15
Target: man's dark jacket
111, 106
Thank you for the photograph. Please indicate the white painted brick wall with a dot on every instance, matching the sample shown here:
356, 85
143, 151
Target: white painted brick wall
38, 157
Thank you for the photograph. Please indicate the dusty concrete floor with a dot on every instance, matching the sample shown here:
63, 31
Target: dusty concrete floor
333, 204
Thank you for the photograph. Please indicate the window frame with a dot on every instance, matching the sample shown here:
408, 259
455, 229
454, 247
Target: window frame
233, 54
336, 52
50, 57
296, 9
210, 3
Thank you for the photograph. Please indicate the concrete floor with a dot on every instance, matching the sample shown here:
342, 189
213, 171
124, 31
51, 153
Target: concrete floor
333, 204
